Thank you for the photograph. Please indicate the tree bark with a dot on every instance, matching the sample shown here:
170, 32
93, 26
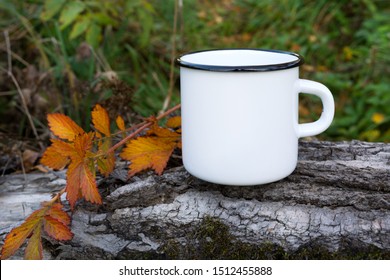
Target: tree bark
336, 201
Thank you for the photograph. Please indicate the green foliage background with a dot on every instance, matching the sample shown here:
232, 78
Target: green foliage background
119, 53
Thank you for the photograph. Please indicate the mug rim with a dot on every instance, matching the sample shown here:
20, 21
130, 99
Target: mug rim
241, 68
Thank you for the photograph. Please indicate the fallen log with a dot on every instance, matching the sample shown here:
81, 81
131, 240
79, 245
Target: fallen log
336, 204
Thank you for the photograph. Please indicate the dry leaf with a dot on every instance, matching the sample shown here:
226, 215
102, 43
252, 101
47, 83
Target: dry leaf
148, 152
29, 157
55, 222
81, 172
42, 168
57, 155
153, 150
57, 230
57, 213
81, 183
18, 235
120, 123
63, 126
100, 120
82, 145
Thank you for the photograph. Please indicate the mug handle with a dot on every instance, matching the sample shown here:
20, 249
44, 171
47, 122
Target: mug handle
320, 125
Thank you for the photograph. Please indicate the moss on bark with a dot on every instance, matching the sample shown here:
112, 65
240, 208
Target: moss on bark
211, 240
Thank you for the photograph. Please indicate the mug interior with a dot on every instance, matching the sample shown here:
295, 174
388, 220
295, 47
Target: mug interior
240, 60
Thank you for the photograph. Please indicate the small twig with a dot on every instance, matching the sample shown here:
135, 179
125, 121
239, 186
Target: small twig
8, 46
173, 54
23, 168
101, 60
132, 128
6, 166
11, 75
181, 24
158, 82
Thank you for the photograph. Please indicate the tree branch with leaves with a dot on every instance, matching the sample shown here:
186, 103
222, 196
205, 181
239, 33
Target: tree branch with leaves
84, 154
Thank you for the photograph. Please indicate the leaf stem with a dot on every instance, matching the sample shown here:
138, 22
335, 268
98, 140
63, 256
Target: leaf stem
128, 137
143, 126
168, 112
57, 196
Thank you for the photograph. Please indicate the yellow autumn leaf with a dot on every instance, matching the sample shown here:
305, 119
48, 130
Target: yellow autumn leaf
63, 126
100, 120
148, 152
174, 122
34, 246
120, 123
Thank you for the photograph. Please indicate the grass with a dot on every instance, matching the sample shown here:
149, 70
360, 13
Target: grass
345, 45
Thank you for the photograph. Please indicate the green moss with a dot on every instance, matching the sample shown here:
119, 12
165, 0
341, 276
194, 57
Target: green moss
211, 239
348, 251
131, 255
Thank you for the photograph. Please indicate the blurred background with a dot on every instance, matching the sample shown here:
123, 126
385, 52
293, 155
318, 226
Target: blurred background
66, 56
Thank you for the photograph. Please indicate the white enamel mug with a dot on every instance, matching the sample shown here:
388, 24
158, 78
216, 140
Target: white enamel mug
240, 114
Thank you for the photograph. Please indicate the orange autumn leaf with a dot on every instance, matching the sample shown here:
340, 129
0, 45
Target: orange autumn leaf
55, 222
76, 175
63, 126
81, 146
148, 152
100, 120
88, 186
81, 183
56, 229
120, 123
81, 172
163, 133
57, 155
152, 150
78, 154
18, 235
57, 213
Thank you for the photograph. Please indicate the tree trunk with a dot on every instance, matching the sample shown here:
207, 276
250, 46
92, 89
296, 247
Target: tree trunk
336, 204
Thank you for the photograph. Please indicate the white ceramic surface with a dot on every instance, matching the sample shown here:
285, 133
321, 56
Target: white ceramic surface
240, 114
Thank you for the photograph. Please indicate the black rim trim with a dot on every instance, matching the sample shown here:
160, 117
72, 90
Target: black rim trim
250, 68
